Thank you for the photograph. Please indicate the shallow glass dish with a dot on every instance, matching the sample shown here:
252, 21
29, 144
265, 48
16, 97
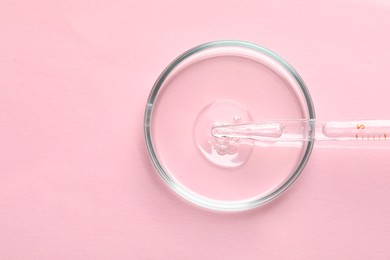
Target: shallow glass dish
217, 83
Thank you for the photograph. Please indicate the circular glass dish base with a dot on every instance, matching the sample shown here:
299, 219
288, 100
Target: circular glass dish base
225, 82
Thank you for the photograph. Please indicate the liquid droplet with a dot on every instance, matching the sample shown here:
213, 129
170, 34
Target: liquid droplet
222, 151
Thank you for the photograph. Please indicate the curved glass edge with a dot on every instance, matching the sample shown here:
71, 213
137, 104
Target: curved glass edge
217, 205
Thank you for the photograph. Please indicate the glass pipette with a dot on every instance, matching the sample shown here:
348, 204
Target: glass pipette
306, 130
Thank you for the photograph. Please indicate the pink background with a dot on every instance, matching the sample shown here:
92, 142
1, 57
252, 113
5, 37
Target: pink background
76, 181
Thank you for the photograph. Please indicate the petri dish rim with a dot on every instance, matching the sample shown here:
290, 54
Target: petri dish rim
185, 193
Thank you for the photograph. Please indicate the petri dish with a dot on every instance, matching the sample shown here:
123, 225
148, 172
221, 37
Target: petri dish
217, 83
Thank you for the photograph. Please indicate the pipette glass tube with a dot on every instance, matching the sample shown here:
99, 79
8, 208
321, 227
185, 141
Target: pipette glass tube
306, 130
